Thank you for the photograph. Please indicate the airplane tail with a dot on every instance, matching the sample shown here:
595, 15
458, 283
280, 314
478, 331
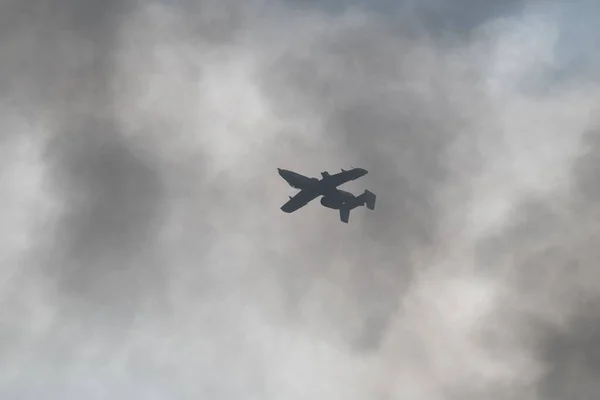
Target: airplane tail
368, 198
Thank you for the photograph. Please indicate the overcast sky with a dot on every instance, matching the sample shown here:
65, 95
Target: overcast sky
143, 253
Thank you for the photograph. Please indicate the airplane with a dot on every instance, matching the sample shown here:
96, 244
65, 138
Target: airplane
311, 188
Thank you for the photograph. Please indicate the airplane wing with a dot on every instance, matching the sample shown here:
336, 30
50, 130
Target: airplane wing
343, 177
301, 199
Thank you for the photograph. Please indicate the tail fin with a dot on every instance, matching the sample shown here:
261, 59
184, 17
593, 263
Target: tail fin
344, 214
368, 198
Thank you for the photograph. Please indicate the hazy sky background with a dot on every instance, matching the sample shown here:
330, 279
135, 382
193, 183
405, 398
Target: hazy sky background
144, 255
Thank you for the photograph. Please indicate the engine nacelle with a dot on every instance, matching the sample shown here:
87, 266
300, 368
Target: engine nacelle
329, 202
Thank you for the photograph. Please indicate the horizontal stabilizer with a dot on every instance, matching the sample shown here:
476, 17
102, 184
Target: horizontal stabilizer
369, 199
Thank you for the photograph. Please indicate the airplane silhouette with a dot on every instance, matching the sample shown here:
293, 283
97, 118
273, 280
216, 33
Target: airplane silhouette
327, 186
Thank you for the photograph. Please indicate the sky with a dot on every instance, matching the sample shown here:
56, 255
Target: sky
144, 254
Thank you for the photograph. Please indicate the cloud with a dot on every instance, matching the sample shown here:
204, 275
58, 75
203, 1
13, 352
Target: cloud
146, 254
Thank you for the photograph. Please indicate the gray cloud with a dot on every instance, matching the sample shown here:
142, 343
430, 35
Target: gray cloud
440, 17
147, 253
555, 279
114, 202
572, 357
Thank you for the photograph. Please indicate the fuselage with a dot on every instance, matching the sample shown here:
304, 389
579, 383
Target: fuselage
340, 198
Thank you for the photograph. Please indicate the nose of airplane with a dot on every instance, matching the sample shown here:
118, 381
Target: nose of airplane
361, 171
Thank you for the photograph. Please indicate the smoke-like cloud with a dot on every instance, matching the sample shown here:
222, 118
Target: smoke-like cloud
144, 253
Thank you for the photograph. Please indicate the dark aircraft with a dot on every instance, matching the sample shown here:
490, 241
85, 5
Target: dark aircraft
311, 188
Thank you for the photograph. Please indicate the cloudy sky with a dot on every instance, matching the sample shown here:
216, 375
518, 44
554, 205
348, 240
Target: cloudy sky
144, 255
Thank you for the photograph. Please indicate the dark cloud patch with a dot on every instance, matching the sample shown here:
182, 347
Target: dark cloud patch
571, 356
96, 19
440, 17
113, 201
217, 22
550, 246
586, 169
112, 195
55, 50
462, 16
571, 352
